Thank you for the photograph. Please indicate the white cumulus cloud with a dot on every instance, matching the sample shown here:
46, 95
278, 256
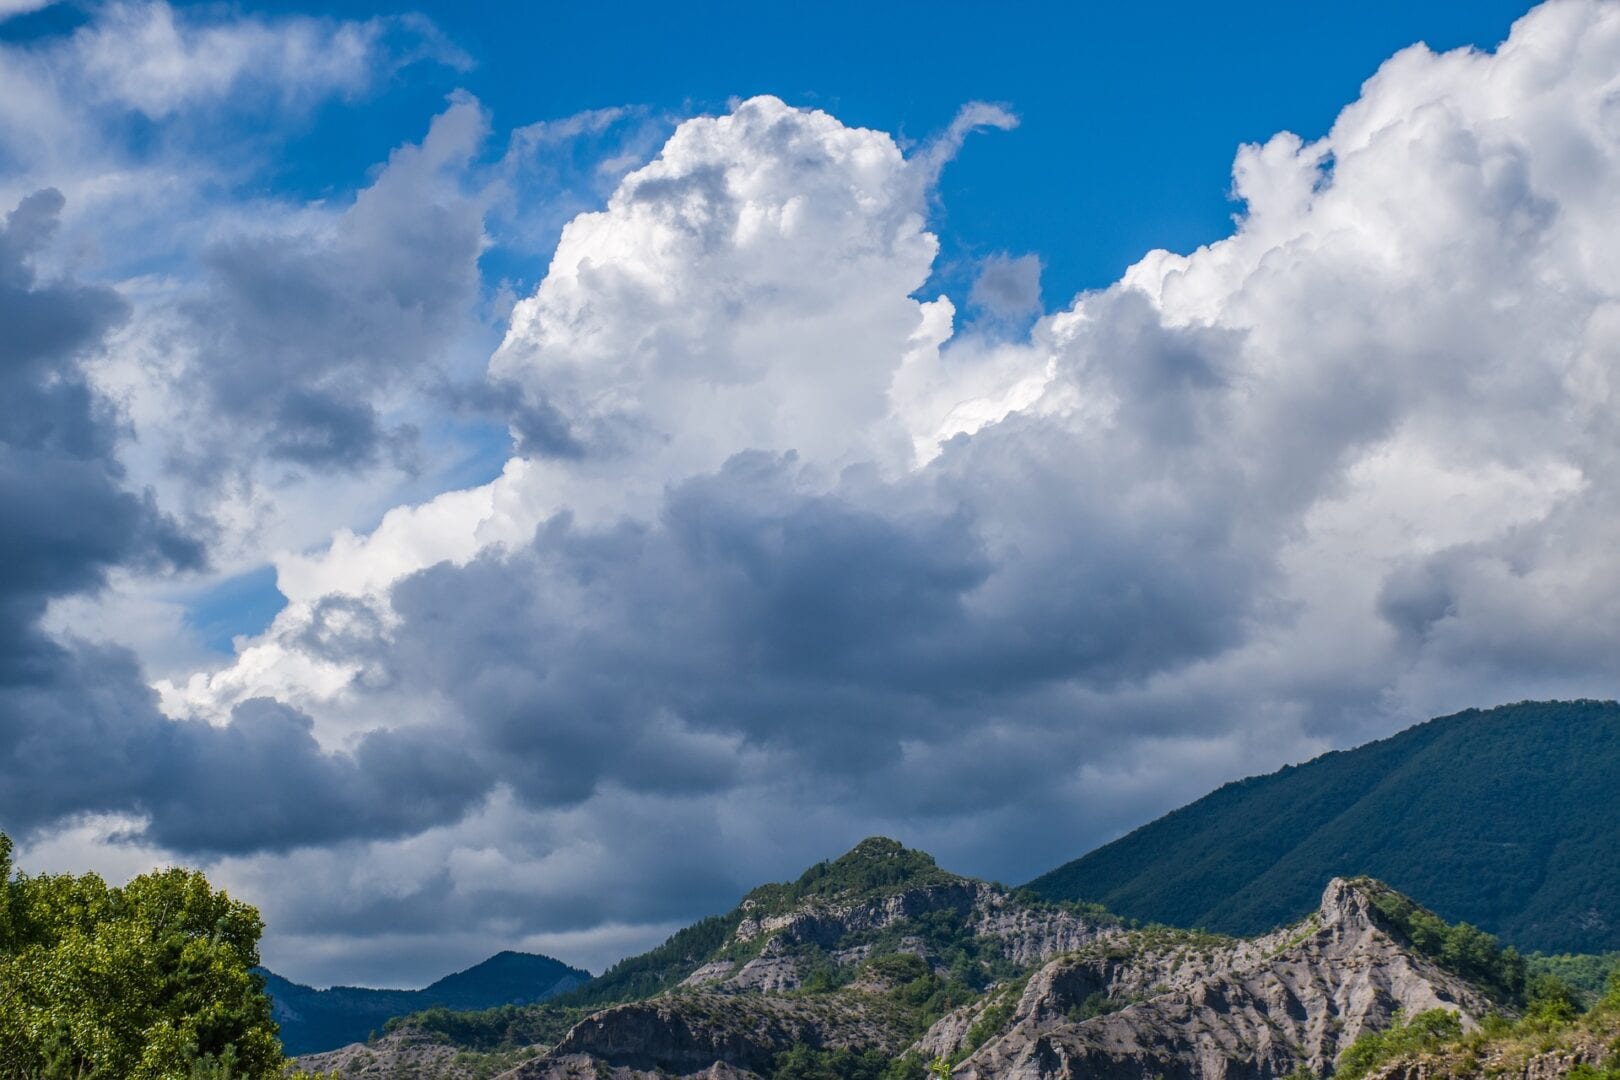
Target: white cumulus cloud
787, 559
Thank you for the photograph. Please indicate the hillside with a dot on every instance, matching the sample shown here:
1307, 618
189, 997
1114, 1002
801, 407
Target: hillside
1502, 818
876, 964
314, 1020
861, 953
1553, 1039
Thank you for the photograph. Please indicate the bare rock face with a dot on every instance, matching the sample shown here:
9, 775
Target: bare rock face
1086, 997
1022, 934
399, 1054
1251, 1010
1032, 935
887, 935
691, 1033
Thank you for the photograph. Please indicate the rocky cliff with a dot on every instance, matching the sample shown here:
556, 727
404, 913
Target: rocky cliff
881, 963
776, 951
1151, 1005
849, 957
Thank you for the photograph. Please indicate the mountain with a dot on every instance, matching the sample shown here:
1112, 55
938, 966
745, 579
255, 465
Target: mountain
1502, 818
860, 953
314, 1020
873, 965
1264, 1007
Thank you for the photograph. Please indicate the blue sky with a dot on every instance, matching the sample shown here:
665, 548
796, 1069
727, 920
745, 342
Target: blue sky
1128, 115
495, 478
1129, 112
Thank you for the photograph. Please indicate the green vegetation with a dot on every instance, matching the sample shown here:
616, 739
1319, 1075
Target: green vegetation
801, 1062
1586, 973
1552, 1024
1423, 1033
920, 994
1461, 949
1096, 1004
149, 981
1503, 819
973, 962
506, 1027
653, 972
874, 868
995, 1017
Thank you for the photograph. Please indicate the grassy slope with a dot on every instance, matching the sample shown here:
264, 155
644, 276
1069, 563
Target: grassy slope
1504, 819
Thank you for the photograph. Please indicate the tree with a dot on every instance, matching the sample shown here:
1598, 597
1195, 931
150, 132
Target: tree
149, 981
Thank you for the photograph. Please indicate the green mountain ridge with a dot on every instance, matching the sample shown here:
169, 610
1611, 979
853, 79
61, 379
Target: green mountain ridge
314, 1020
1504, 818
1337, 897
875, 868
880, 965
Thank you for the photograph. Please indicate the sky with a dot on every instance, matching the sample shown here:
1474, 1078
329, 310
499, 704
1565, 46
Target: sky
486, 478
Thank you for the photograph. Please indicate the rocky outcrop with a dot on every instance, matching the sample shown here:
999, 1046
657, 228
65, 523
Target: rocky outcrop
887, 935
688, 1033
1507, 1061
1105, 1002
1189, 1011
406, 1053
1021, 933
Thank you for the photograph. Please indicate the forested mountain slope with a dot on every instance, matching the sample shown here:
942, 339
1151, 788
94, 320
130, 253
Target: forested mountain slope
1508, 819
313, 1020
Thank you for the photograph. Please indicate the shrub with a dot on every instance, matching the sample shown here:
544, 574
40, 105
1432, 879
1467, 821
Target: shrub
1422, 1033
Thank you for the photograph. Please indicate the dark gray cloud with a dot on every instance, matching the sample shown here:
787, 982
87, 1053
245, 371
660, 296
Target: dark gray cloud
80, 730
538, 428
263, 783
302, 339
85, 736
68, 517
826, 631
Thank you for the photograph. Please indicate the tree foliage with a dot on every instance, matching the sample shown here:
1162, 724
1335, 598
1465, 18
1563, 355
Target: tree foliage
504, 1027
1460, 948
657, 970
801, 1062
1551, 1037
1587, 973
1421, 1033
148, 981
875, 867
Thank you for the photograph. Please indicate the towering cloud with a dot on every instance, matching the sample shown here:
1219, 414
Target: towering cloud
784, 559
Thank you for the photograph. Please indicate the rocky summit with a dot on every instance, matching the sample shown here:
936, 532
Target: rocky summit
880, 965
1149, 1004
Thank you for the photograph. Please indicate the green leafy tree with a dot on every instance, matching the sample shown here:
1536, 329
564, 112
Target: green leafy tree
150, 981
800, 1062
